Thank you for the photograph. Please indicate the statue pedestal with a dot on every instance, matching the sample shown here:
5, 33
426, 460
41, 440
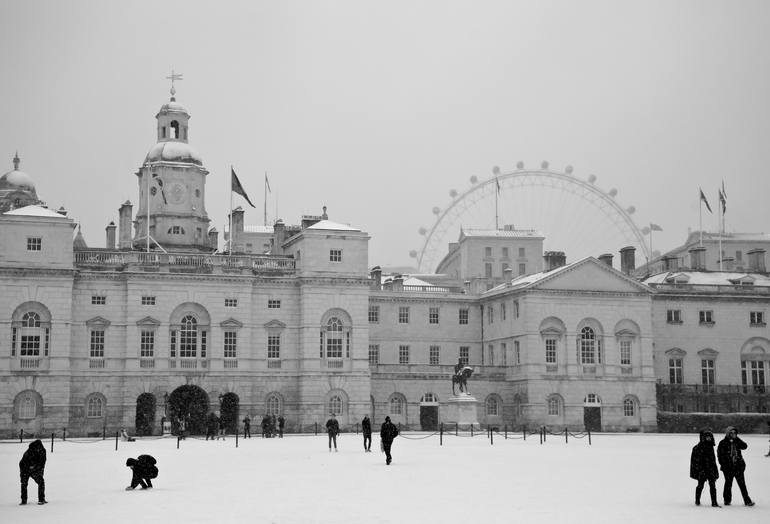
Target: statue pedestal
460, 409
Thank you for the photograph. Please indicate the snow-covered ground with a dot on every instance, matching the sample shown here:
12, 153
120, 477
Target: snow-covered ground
638, 478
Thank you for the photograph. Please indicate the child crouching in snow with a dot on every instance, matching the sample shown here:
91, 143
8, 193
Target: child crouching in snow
143, 469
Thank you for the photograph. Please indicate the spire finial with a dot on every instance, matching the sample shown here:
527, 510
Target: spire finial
16, 161
172, 77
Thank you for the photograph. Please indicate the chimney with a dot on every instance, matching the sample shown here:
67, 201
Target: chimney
279, 234
398, 283
110, 229
697, 258
124, 225
606, 258
670, 263
213, 238
628, 259
757, 260
236, 221
554, 259
376, 275
728, 263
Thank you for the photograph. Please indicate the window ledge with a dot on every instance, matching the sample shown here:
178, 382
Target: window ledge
758, 324
674, 322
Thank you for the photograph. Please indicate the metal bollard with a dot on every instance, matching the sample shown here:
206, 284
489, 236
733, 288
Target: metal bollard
21, 435
236, 439
64, 433
491, 438
506, 432
116, 440
457, 425
589, 437
566, 436
104, 432
524, 432
52, 442
178, 438
471, 430
441, 434
541, 435
316, 428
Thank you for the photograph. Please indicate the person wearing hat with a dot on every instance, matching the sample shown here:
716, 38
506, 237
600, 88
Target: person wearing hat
703, 467
32, 466
732, 465
388, 432
332, 428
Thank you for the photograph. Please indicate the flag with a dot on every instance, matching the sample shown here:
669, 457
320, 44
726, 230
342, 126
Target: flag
267, 184
655, 227
723, 189
235, 185
723, 200
497, 183
705, 201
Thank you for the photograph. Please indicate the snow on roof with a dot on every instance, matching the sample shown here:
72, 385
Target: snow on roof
501, 233
34, 211
709, 278
335, 226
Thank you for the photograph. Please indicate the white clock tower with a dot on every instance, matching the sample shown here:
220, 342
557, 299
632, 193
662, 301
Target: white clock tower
172, 184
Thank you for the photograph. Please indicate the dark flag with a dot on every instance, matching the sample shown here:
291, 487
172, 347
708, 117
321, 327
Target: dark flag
238, 188
702, 197
723, 198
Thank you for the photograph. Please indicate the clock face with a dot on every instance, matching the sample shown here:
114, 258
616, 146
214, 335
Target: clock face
177, 193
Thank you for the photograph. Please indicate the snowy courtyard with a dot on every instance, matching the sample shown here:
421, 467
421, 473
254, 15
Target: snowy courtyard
635, 478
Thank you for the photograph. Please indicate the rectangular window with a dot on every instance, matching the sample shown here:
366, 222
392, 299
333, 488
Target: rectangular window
757, 318
706, 316
204, 335
374, 314
515, 309
231, 344
433, 355
505, 252
97, 343
516, 353
172, 344
503, 312
490, 314
738, 256
34, 243
403, 354
374, 354
98, 300
674, 316
273, 303
675, 370
464, 355
550, 351
231, 302
463, 316
490, 355
274, 347
335, 255
147, 344
522, 252
625, 352
707, 371
403, 314
488, 270
333, 345
504, 352
433, 315
487, 251
522, 269
148, 300
753, 374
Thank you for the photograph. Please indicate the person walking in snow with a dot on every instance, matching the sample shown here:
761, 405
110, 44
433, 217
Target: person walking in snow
212, 423
333, 429
222, 427
32, 465
366, 429
703, 467
281, 423
732, 465
143, 469
246, 427
388, 432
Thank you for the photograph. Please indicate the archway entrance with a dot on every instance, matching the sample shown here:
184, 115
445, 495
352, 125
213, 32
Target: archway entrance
429, 412
229, 408
145, 414
190, 404
592, 412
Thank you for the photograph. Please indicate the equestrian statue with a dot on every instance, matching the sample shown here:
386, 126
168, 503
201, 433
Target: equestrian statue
461, 376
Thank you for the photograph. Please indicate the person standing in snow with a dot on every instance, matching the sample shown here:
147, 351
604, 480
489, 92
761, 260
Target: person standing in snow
32, 465
281, 423
388, 432
732, 465
246, 427
366, 429
703, 467
211, 426
222, 427
332, 428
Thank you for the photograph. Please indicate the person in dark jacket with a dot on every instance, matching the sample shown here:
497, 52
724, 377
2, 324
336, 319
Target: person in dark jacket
143, 470
247, 427
388, 432
703, 467
212, 424
281, 424
366, 429
222, 427
32, 465
732, 464
333, 429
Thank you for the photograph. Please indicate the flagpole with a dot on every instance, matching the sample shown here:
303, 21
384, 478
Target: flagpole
148, 208
230, 251
265, 212
497, 196
700, 220
651, 255
721, 221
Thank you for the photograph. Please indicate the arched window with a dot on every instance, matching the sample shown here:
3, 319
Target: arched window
335, 405
188, 337
334, 335
396, 405
629, 407
587, 346
493, 406
94, 407
273, 405
554, 405
30, 331
174, 129
27, 407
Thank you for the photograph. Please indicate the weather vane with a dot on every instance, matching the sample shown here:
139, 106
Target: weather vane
174, 76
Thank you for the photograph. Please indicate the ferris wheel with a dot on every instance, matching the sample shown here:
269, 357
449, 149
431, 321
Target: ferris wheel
574, 215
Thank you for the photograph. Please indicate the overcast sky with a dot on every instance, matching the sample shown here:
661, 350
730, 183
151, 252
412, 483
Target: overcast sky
378, 109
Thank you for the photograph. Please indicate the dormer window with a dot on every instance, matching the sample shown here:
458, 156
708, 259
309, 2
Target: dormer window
174, 131
176, 230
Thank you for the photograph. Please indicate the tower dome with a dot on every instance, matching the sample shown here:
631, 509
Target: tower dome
17, 180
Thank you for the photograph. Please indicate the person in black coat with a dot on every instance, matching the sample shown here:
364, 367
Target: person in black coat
366, 429
388, 432
703, 467
212, 424
732, 464
247, 427
143, 470
281, 424
332, 428
32, 465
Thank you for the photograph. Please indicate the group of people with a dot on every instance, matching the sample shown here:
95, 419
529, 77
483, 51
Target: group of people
703, 466
388, 432
216, 426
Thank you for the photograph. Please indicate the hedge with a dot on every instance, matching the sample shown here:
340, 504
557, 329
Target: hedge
671, 422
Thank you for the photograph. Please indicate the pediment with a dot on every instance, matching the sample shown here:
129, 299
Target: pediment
148, 321
676, 352
551, 331
231, 323
98, 322
275, 324
590, 275
708, 353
